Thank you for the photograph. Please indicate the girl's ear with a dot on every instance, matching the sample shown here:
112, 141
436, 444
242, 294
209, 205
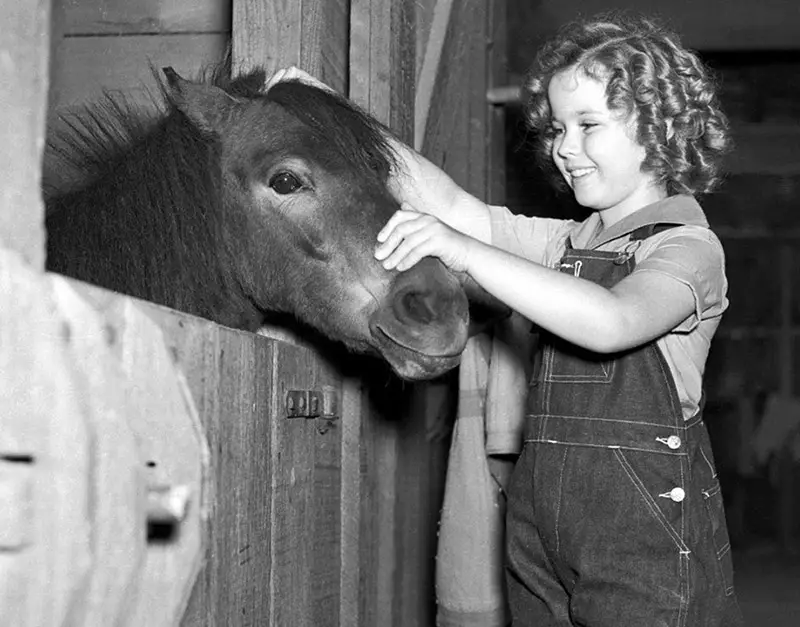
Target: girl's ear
206, 106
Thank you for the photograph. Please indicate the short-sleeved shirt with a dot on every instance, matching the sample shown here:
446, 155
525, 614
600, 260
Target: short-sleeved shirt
690, 253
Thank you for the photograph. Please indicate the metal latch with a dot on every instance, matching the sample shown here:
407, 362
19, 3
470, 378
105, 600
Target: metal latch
313, 403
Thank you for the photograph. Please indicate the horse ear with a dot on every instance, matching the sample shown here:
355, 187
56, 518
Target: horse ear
205, 105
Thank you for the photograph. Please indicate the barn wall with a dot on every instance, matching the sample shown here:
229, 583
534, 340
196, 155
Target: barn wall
290, 521
110, 44
24, 48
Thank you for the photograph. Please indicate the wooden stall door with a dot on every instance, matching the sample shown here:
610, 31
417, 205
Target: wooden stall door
295, 521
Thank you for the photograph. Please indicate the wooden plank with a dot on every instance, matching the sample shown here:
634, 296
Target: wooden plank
293, 490
382, 62
310, 34
229, 376
457, 125
116, 478
118, 17
45, 458
429, 70
351, 491
161, 412
91, 64
379, 558
326, 570
24, 63
736, 26
476, 23
229, 373
414, 592
382, 73
267, 34
497, 75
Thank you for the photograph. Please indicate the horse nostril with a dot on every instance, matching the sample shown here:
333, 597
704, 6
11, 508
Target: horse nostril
418, 306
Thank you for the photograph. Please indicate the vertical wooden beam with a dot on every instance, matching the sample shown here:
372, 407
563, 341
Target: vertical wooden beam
429, 70
24, 58
383, 61
310, 34
497, 51
381, 80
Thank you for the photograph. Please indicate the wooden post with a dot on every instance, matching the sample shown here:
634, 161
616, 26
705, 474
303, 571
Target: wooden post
382, 72
310, 34
24, 59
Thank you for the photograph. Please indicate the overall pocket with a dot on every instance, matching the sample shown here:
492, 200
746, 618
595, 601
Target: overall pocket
563, 362
715, 510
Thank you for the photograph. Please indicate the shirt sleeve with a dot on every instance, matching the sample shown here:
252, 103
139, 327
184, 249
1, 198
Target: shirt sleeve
526, 236
694, 256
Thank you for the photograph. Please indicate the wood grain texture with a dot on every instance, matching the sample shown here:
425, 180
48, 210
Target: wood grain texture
24, 72
116, 478
310, 34
459, 134
429, 68
383, 61
90, 65
124, 17
45, 456
497, 75
171, 446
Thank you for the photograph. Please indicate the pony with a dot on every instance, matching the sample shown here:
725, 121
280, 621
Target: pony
237, 205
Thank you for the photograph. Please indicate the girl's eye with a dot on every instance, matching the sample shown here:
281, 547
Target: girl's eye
588, 126
555, 132
285, 183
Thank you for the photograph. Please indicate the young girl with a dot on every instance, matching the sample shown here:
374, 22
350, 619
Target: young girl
614, 509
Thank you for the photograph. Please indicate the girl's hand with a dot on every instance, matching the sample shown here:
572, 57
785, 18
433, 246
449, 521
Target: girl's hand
409, 236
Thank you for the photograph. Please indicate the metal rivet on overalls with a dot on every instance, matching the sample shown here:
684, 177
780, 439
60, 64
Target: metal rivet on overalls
673, 442
677, 494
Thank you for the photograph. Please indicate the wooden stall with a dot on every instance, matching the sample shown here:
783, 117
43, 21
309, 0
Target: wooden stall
153, 469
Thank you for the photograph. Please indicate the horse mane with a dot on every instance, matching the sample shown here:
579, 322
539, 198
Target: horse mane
138, 189
359, 138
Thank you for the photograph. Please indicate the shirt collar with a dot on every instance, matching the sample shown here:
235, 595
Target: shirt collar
680, 209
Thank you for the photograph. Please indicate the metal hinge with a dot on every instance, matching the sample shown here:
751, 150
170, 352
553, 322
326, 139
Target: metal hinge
322, 403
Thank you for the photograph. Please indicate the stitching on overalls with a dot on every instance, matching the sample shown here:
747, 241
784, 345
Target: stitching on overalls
650, 502
543, 440
708, 461
619, 420
560, 495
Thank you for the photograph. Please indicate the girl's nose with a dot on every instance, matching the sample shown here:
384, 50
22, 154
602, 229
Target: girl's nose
569, 144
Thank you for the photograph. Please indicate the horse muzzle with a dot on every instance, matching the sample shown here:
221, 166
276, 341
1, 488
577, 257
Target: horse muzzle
422, 327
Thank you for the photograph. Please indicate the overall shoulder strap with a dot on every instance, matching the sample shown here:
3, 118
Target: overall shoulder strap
648, 230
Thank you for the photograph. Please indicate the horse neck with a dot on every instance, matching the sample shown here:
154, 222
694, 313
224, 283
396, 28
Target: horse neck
161, 208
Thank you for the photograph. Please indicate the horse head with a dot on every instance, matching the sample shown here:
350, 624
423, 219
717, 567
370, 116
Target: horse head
304, 178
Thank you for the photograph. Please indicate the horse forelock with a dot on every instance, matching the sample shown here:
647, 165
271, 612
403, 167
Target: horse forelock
358, 137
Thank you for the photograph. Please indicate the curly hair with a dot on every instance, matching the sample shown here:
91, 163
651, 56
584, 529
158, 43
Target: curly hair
649, 74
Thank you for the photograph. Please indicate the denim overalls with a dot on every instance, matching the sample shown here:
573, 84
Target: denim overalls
615, 514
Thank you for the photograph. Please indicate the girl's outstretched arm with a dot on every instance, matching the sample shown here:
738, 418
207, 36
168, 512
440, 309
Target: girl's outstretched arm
640, 308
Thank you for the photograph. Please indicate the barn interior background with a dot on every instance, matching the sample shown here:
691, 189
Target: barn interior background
340, 528
753, 377
116, 416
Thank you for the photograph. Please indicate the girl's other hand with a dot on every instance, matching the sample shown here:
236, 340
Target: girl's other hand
409, 236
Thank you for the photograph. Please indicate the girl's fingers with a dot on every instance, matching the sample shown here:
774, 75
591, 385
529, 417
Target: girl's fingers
409, 251
398, 218
398, 230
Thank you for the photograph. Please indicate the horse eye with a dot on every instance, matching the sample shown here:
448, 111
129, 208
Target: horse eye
285, 183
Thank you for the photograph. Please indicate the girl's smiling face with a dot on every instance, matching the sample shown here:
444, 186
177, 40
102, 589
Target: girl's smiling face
595, 148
